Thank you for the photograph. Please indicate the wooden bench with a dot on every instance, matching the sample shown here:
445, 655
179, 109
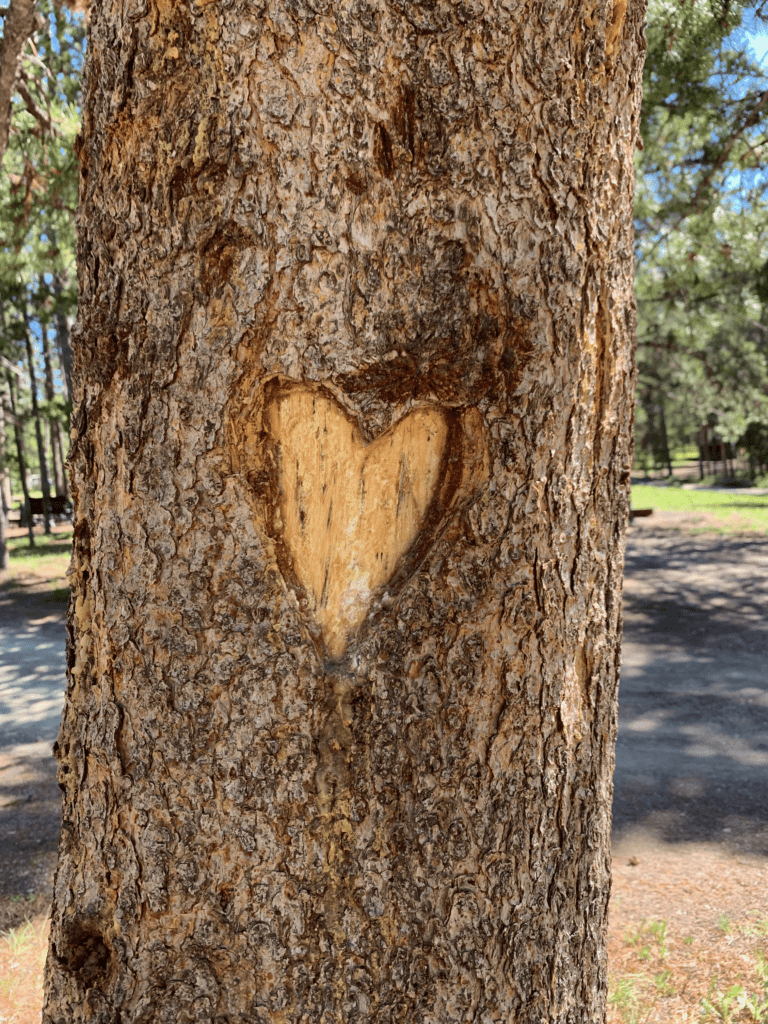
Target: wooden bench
59, 507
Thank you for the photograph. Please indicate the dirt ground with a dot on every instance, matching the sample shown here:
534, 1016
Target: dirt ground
689, 906
689, 911
692, 753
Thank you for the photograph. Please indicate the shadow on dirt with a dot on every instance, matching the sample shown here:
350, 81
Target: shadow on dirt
692, 752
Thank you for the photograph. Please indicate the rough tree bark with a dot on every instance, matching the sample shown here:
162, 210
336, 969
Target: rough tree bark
351, 454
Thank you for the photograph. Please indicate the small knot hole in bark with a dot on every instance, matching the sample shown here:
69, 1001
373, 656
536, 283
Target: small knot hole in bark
83, 952
348, 513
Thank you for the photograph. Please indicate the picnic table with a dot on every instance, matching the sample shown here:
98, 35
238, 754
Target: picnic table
59, 507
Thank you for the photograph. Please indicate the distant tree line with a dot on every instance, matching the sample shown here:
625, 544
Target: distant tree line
701, 219
41, 57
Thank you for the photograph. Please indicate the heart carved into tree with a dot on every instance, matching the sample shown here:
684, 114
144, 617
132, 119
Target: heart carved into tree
349, 512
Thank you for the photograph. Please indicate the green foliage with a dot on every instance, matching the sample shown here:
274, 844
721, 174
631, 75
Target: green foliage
626, 994
718, 1006
702, 228
38, 199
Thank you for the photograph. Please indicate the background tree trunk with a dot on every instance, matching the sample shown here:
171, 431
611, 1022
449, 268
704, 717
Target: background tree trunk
351, 461
62, 333
5, 488
18, 25
56, 448
21, 455
8, 419
41, 452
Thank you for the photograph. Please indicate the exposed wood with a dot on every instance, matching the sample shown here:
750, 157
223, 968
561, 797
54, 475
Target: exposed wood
349, 513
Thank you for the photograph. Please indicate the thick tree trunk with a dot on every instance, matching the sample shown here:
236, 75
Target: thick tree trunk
351, 460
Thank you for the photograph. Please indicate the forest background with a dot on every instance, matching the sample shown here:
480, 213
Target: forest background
701, 217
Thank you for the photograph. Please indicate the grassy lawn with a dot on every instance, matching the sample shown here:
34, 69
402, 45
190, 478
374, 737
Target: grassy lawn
48, 560
717, 510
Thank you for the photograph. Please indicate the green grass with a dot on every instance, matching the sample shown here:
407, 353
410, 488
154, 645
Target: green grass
49, 558
726, 513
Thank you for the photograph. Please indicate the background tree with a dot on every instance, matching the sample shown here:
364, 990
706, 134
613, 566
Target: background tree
701, 217
353, 393
38, 194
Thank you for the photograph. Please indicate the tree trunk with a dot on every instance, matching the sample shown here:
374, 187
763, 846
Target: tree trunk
351, 457
18, 26
21, 456
5, 489
62, 332
664, 437
41, 452
5, 475
50, 394
3, 543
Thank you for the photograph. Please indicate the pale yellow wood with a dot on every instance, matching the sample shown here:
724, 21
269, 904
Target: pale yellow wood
349, 512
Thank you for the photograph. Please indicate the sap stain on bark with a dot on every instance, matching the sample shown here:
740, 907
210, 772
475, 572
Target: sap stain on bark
382, 151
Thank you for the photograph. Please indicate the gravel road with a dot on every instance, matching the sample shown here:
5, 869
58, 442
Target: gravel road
692, 753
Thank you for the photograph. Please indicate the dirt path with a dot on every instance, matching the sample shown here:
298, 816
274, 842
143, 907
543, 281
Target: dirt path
692, 754
688, 928
32, 623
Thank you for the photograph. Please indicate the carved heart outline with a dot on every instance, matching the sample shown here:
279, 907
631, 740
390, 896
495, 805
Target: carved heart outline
312, 480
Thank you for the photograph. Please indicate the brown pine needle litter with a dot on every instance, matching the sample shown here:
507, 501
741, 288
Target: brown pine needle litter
688, 937
22, 957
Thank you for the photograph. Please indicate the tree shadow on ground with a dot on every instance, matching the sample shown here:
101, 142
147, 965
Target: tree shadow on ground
692, 750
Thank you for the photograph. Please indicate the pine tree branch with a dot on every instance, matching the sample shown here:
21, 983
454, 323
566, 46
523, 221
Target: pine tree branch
29, 101
693, 204
10, 366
